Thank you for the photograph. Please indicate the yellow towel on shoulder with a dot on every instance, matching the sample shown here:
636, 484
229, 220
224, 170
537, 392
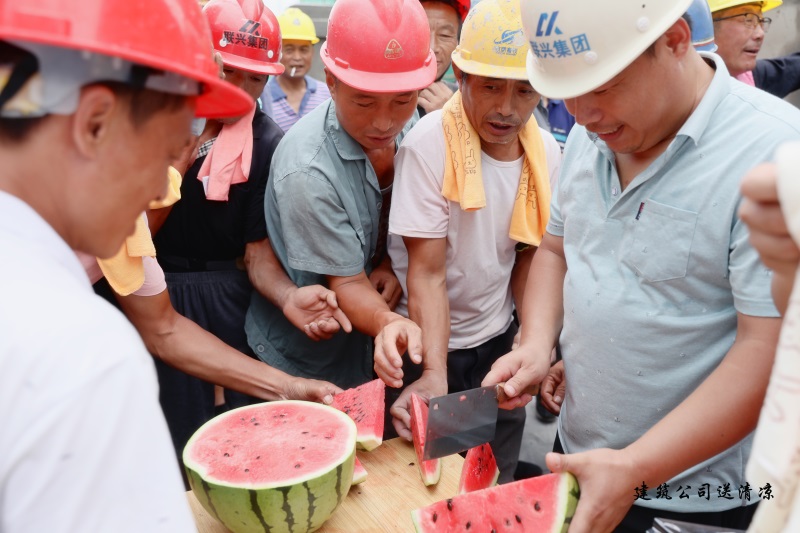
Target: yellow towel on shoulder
125, 271
463, 181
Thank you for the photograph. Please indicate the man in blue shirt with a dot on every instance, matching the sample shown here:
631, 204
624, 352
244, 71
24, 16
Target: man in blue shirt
327, 201
645, 276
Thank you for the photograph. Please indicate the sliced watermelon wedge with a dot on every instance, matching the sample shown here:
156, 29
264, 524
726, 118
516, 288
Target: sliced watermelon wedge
365, 405
543, 504
359, 473
479, 471
430, 470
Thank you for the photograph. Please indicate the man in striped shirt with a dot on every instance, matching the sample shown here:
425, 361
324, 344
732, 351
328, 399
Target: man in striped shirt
294, 94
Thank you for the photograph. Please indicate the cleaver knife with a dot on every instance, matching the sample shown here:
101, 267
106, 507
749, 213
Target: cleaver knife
463, 420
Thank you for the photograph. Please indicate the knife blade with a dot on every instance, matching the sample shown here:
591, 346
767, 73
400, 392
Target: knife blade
463, 420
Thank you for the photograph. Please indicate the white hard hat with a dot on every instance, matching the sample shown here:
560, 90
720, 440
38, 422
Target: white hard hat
578, 45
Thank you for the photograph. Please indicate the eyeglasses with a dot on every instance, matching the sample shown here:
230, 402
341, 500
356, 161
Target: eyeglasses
750, 20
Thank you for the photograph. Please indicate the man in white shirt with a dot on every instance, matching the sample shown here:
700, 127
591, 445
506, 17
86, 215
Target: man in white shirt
463, 265
87, 129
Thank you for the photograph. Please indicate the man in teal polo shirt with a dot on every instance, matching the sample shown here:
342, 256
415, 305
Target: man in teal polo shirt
327, 202
645, 276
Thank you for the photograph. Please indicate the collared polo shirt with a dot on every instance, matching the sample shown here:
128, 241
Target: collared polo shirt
323, 205
656, 275
278, 106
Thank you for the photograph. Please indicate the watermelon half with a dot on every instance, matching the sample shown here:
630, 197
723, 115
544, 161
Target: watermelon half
479, 471
365, 405
430, 470
280, 466
544, 504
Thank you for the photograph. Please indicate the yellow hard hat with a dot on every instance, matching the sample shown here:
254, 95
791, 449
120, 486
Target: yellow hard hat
297, 26
719, 5
492, 42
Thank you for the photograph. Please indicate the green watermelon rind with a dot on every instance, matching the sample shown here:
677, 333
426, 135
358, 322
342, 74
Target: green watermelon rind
293, 506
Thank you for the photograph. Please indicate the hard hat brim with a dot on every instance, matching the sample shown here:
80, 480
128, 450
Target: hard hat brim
290, 37
219, 99
251, 65
766, 5
382, 82
486, 70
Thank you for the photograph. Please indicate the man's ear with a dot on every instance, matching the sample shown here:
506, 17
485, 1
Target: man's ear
330, 81
678, 38
457, 74
93, 119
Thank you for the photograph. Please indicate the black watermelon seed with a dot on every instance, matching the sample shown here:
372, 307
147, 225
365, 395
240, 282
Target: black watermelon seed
537, 506
435, 516
226, 454
449, 504
519, 520
411, 464
469, 525
302, 447
258, 457
494, 530
508, 522
256, 424
305, 433
298, 465
246, 469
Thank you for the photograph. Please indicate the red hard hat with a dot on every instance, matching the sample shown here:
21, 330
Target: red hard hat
247, 35
168, 35
379, 45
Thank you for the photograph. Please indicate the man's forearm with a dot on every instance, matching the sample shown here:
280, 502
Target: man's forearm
363, 305
182, 344
266, 273
543, 307
429, 308
519, 278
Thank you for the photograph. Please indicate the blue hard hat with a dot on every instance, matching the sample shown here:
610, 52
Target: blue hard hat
702, 26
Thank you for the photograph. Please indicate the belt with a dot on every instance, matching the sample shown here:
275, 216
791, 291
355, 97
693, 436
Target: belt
171, 263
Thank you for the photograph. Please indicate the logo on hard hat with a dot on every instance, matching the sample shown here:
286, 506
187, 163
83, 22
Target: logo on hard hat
514, 38
543, 18
393, 50
251, 26
247, 39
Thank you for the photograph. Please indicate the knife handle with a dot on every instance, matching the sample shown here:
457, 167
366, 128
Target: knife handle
533, 390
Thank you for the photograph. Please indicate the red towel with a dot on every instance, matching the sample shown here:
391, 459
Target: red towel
228, 162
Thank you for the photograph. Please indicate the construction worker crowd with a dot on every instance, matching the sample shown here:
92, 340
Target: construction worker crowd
266, 235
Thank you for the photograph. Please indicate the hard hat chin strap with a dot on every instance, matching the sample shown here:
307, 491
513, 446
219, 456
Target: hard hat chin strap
22, 66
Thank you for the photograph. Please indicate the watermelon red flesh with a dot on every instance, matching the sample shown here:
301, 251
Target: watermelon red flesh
479, 470
430, 470
281, 467
241, 450
543, 504
359, 473
365, 405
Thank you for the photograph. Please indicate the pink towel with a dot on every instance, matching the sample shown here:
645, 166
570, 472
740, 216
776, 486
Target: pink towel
747, 77
228, 162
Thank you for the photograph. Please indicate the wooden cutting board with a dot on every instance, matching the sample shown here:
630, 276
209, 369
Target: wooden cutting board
383, 502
